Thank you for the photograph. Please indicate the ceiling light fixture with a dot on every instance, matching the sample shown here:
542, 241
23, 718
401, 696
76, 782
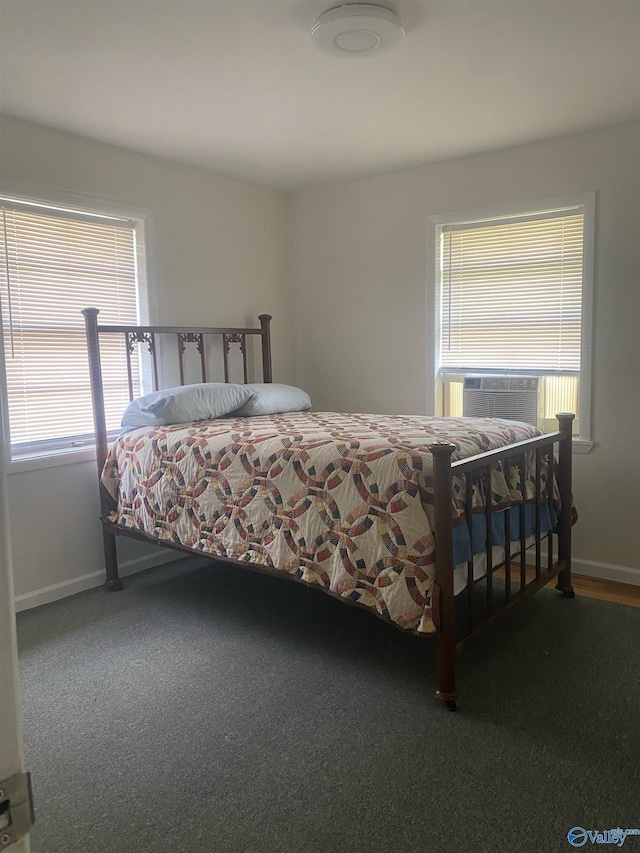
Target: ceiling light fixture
357, 30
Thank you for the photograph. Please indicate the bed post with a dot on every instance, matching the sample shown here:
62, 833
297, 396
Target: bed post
442, 596
265, 320
112, 581
565, 421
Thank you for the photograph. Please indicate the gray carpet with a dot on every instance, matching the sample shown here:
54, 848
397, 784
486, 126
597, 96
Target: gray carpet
217, 711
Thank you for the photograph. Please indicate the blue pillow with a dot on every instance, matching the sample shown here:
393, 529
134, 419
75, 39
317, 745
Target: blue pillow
185, 404
269, 398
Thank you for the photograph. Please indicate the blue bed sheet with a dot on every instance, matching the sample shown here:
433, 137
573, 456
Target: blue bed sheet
461, 543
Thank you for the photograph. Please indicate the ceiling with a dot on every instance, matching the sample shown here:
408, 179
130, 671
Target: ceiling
235, 86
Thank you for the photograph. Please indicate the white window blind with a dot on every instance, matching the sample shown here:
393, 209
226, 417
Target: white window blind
512, 294
53, 264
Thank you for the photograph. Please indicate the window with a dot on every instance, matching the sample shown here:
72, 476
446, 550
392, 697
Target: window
514, 299
54, 261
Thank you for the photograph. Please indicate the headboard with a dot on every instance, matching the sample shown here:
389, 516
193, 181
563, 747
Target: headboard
151, 336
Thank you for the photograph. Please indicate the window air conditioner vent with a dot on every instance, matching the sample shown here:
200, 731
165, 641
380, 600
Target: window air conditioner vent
514, 398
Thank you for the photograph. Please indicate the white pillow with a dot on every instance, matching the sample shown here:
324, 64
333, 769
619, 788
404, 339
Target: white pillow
269, 398
186, 403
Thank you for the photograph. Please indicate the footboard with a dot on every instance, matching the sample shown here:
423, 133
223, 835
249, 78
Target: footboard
459, 619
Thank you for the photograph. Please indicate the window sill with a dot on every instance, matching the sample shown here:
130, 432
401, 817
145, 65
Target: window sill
581, 446
36, 461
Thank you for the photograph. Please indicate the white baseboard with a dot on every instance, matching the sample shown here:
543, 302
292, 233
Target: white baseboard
606, 571
56, 591
602, 571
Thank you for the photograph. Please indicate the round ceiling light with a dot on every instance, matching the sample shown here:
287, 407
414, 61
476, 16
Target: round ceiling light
357, 30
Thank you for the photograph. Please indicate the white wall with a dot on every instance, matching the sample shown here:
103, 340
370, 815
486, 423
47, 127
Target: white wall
221, 254
361, 267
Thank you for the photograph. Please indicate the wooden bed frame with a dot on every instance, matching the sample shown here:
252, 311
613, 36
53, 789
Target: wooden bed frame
455, 617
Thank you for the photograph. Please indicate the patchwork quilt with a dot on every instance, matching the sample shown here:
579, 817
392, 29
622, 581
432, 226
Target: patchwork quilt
343, 502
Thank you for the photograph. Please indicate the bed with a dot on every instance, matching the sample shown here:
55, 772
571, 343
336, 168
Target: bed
436, 525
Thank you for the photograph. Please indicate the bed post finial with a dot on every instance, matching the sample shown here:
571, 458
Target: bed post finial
265, 320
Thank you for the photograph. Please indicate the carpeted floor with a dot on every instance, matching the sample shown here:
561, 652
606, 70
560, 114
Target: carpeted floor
217, 711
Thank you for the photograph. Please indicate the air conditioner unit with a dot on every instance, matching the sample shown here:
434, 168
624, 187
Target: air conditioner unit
515, 398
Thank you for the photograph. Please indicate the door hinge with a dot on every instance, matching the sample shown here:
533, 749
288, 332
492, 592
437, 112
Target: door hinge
16, 808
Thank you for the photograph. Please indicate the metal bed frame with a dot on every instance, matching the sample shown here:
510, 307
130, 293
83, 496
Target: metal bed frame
452, 632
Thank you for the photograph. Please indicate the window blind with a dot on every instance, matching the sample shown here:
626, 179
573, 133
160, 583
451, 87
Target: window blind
512, 294
53, 263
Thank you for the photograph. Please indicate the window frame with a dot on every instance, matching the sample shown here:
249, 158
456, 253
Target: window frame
146, 298
584, 203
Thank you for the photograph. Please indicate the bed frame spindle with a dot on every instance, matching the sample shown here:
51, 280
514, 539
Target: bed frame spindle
235, 339
470, 577
507, 551
538, 498
488, 502
184, 338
